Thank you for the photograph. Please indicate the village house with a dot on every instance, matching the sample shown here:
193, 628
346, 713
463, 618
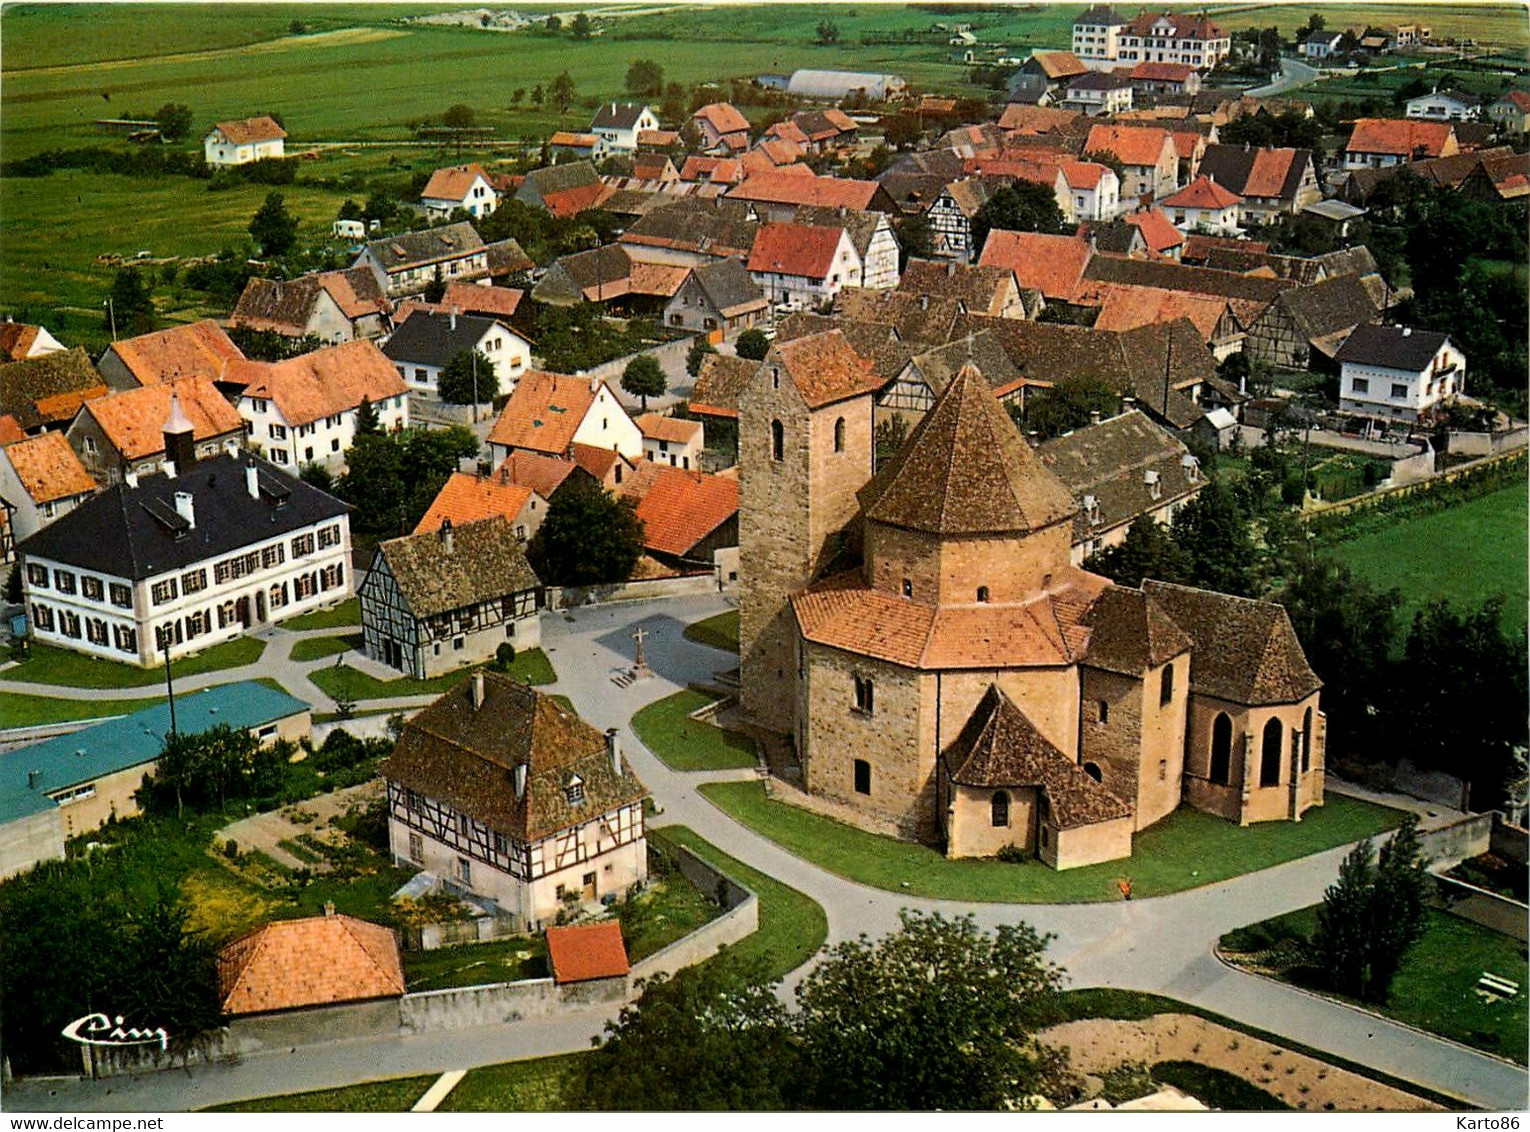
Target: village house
718, 385
1510, 111
777, 195
72, 784
672, 441
41, 479
990, 291
426, 342
1052, 265
1094, 191
690, 519
1397, 373
1044, 74
803, 266
871, 235
693, 231
491, 302
123, 434
1271, 181
1204, 206
1376, 143
405, 265
579, 147
467, 497
332, 306
1320, 44
1445, 106
20, 340
1149, 160
196, 349
950, 218
1098, 92
174, 564
1165, 78
243, 141
1126, 308
719, 299
552, 476
621, 275
903, 401
304, 410
702, 170
1097, 36
44, 392
550, 412
1305, 325
723, 129
618, 124
504, 795
464, 187
439, 599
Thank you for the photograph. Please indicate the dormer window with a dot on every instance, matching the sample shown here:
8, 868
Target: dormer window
573, 790
1151, 479
1192, 467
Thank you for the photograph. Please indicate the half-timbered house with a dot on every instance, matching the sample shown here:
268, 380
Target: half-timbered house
443, 598
501, 792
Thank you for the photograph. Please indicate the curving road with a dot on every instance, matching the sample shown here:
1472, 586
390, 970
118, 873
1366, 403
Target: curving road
1162, 944
1293, 74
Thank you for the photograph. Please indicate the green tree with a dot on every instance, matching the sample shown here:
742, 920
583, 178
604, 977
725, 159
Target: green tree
517, 96
1340, 942
562, 90
712, 1038
206, 769
938, 1015
644, 378
700, 348
273, 228
916, 238
459, 116
588, 537
1213, 531
130, 308
366, 419
674, 107
1020, 207
1316, 22
467, 372
174, 120
1069, 405
350, 210
752, 344
580, 27
827, 32
537, 94
1146, 552
554, 23
645, 78
317, 475
1398, 900
901, 130
391, 478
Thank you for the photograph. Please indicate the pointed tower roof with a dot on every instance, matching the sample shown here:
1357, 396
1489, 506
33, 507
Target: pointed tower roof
1129, 633
177, 422
966, 470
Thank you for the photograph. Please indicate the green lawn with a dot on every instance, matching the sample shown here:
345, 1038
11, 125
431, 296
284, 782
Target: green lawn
34, 711
792, 926
314, 648
49, 665
472, 964
340, 681
397, 1095
683, 743
544, 1084
669, 907
346, 613
1185, 850
1467, 553
1434, 988
1223, 1091
721, 632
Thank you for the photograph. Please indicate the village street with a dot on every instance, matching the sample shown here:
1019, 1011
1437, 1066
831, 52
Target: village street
1162, 945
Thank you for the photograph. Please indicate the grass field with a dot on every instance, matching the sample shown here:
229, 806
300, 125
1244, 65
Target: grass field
1186, 850
1467, 553
397, 1095
531, 666
720, 632
48, 665
315, 648
682, 743
346, 613
472, 964
543, 1084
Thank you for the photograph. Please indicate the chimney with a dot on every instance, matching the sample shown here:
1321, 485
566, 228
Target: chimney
518, 776
477, 690
186, 508
252, 481
614, 749
454, 320
446, 534
329, 909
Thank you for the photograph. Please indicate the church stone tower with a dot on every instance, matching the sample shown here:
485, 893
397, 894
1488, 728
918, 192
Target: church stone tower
805, 448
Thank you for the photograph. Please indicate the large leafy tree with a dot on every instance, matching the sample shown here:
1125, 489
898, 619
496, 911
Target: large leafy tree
1070, 404
700, 348
645, 78
391, 478
469, 375
752, 344
273, 227
939, 1015
207, 768
709, 1038
174, 120
1020, 207
1146, 552
1213, 531
561, 90
644, 378
130, 307
589, 537
580, 28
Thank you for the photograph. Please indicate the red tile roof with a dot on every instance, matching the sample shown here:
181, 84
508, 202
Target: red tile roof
723, 117
316, 961
679, 508
48, 468
571, 202
587, 951
1202, 192
182, 351
1401, 137
1125, 307
1084, 174
541, 473
465, 498
328, 382
785, 188
807, 250
1132, 145
573, 141
1186, 25
453, 182
246, 131
1053, 265
16, 340
11, 430
134, 421
657, 426
544, 412
1158, 232
470, 298
1162, 72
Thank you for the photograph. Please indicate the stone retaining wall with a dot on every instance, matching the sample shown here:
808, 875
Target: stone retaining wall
572, 597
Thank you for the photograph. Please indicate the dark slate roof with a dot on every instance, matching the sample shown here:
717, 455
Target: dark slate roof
1177, 347
617, 115
1393, 347
466, 757
23, 384
433, 339
447, 242
1109, 461
1243, 651
1349, 261
999, 747
1099, 80
965, 470
973, 286
506, 257
1129, 633
721, 382
484, 562
914, 192
938, 366
135, 532
712, 225
728, 286
1101, 15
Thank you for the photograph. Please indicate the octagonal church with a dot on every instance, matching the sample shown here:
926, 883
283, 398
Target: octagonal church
937, 663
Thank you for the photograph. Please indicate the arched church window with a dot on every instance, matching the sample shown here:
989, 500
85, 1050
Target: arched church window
839, 435
1269, 755
777, 441
1221, 749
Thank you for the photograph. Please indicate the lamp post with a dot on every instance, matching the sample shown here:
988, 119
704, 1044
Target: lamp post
169, 685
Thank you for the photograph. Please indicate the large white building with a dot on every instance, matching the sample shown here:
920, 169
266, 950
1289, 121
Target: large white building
1398, 373
178, 563
501, 793
1173, 37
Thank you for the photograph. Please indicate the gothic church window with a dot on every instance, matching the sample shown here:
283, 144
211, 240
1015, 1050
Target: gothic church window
1269, 755
777, 441
1166, 688
865, 693
1221, 749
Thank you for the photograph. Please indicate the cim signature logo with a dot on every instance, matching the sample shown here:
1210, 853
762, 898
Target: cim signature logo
101, 1030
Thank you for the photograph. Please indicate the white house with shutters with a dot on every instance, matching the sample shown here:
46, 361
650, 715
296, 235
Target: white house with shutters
1398, 373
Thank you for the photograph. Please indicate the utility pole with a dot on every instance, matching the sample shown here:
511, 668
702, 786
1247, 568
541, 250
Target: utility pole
474, 356
169, 685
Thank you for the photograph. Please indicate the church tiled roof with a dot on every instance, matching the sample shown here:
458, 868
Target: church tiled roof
1129, 633
965, 470
824, 368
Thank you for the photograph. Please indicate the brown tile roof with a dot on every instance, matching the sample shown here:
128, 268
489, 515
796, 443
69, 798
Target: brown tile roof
679, 508
134, 421
1334, 306
783, 188
570, 140
806, 250
916, 318
328, 382
1035, 119
1182, 277
1129, 633
470, 298
580, 952
453, 182
1158, 231
980, 288
48, 468
597, 461
653, 167
483, 562
661, 427
318, 961
541, 473
965, 470
544, 412
246, 131
711, 226
182, 351
720, 383
465, 498
658, 139
10, 430
466, 757
1202, 192
998, 746
1052, 265
1198, 247
1161, 72
1058, 64
1132, 145
1401, 137
48, 388
824, 368
16, 340
1126, 308
939, 366
1244, 651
